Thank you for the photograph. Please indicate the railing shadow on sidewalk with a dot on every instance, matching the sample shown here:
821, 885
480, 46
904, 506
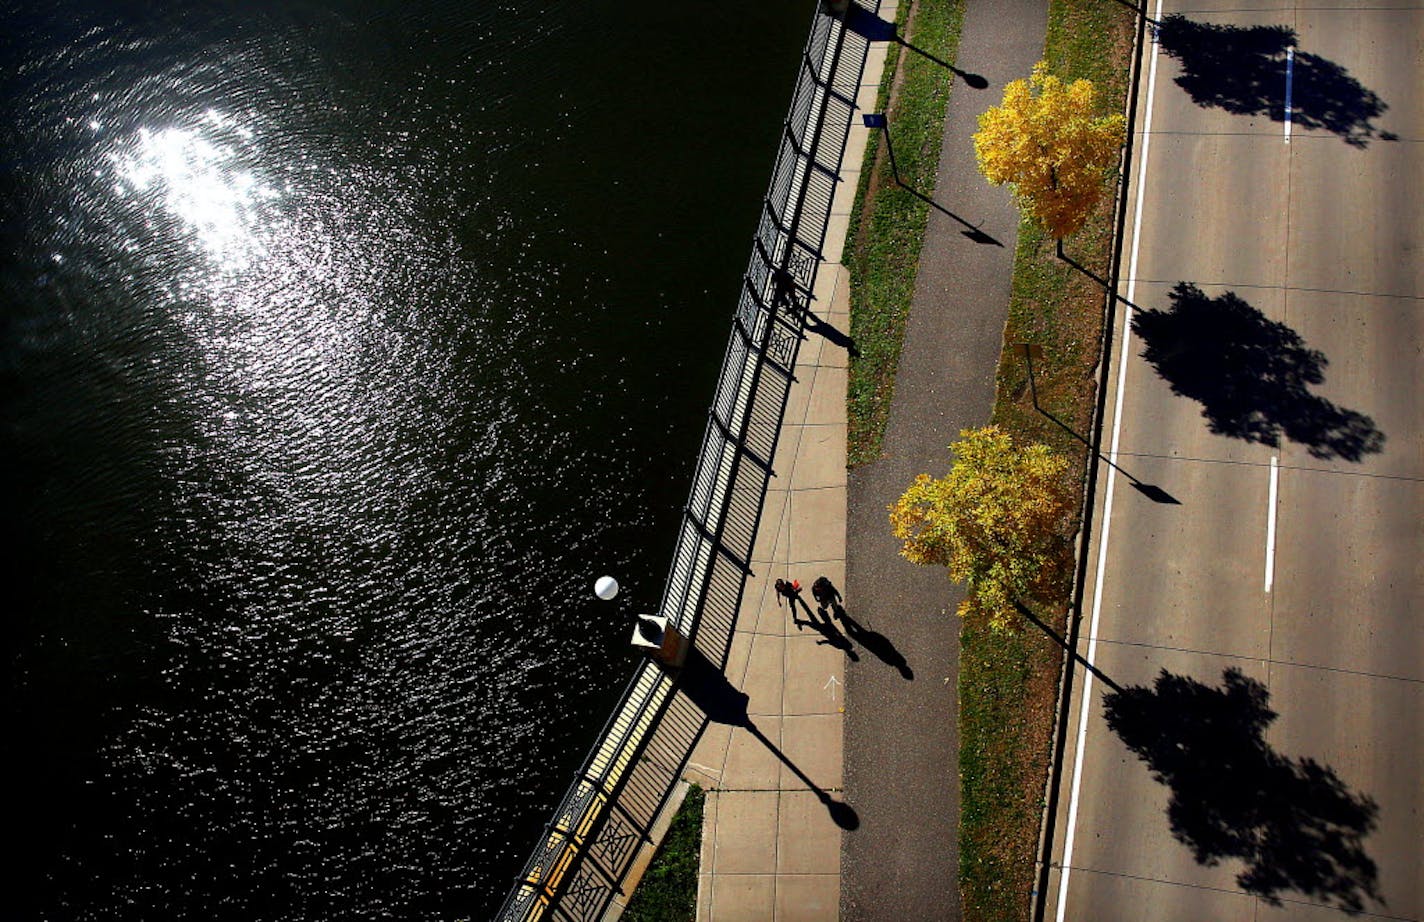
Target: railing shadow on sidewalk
708, 688
871, 27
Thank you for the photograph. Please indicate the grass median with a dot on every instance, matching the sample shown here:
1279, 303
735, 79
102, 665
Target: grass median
1008, 679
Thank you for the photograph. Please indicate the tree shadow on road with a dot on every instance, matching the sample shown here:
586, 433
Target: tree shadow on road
1243, 70
1292, 821
1250, 374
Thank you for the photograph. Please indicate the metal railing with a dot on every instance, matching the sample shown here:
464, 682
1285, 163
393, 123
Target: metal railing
588, 848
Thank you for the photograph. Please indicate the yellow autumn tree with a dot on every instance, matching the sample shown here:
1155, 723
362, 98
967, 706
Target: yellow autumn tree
996, 521
1047, 144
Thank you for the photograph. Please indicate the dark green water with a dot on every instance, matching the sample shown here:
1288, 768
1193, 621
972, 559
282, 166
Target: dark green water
341, 346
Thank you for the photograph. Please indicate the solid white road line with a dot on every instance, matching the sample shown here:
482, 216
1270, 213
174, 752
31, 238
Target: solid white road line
1066, 864
1290, 76
1271, 522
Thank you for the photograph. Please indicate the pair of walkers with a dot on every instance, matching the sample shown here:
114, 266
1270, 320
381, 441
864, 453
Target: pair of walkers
825, 593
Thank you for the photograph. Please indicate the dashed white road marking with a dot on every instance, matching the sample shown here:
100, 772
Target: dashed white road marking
1290, 81
1271, 522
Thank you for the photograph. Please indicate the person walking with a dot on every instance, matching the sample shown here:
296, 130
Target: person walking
791, 591
827, 596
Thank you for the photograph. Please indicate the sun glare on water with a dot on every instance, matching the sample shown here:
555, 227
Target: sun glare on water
197, 175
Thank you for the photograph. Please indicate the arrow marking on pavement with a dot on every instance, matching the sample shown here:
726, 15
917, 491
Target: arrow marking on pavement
831, 683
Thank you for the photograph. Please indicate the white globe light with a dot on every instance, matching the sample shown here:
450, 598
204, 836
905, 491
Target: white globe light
605, 587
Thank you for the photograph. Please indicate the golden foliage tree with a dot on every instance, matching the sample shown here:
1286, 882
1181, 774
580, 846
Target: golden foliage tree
1046, 143
996, 521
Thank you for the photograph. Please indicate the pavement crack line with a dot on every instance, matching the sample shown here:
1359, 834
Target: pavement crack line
1231, 890
1407, 478
1256, 659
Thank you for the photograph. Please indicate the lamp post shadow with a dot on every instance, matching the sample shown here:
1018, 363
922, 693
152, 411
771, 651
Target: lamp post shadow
1091, 274
1053, 635
872, 28
972, 231
1149, 490
708, 688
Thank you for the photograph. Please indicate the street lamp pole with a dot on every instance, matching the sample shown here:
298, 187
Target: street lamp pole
878, 120
651, 633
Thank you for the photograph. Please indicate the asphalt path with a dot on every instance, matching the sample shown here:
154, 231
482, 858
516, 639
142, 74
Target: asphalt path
901, 727
1262, 759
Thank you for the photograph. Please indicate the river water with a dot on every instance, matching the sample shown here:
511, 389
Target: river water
343, 345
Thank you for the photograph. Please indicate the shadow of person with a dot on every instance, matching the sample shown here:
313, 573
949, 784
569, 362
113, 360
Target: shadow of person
707, 687
1243, 70
832, 334
1293, 822
878, 644
821, 622
1250, 374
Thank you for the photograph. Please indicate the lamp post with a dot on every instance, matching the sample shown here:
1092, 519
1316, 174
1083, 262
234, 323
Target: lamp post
878, 120
651, 633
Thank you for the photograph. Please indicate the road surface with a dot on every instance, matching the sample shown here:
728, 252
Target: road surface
1286, 578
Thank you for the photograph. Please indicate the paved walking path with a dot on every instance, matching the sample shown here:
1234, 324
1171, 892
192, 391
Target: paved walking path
901, 743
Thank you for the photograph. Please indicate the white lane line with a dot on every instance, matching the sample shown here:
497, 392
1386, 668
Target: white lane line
1290, 78
1066, 865
1271, 522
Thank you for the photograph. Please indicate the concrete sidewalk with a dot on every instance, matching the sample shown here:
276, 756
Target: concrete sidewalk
771, 848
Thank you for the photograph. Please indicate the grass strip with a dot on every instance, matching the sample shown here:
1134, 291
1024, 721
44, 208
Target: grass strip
668, 890
887, 226
1009, 680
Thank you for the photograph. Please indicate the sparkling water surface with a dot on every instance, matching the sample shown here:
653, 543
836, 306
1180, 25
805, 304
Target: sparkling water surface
343, 345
